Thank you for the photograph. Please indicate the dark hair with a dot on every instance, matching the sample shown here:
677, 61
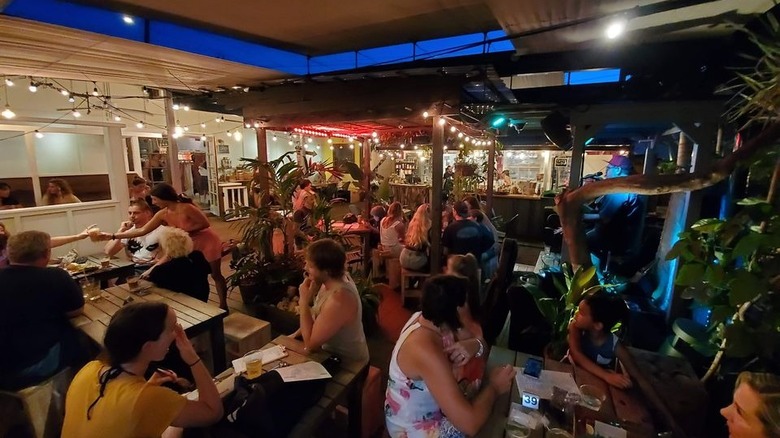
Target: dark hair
441, 297
606, 308
461, 209
305, 183
130, 328
166, 192
4, 186
137, 181
140, 203
327, 255
472, 202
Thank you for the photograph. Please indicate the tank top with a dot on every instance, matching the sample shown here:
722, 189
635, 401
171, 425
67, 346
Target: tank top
410, 409
350, 341
389, 237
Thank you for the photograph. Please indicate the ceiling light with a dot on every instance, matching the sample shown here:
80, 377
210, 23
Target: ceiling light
128, 19
33, 88
139, 125
615, 29
38, 134
76, 113
7, 113
9, 83
65, 92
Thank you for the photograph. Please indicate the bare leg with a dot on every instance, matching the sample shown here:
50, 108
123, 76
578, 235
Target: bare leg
219, 282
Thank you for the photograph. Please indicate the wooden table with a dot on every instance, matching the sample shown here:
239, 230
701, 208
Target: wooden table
194, 315
346, 385
624, 406
360, 229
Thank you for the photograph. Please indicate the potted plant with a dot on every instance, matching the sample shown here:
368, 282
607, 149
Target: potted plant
369, 300
559, 310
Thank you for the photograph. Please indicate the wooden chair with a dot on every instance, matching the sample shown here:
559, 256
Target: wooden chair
244, 333
406, 276
36, 411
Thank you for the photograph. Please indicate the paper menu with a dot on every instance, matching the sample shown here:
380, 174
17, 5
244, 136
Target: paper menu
303, 371
543, 386
266, 356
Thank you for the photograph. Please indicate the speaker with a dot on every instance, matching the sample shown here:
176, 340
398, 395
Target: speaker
555, 127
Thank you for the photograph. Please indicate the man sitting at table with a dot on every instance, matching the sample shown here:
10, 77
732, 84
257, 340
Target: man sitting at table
465, 236
144, 251
36, 303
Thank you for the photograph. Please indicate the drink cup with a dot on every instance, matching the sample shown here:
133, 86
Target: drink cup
133, 283
94, 291
592, 397
105, 262
94, 234
254, 368
514, 430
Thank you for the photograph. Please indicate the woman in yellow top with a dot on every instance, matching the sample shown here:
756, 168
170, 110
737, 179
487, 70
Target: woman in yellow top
112, 398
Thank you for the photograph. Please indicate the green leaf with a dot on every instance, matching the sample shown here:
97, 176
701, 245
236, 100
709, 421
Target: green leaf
697, 292
747, 245
751, 201
679, 248
690, 274
714, 275
744, 288
721, 315
352, 169
708, 225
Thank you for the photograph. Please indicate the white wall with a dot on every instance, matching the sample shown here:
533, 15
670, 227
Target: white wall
70, 154
13, 156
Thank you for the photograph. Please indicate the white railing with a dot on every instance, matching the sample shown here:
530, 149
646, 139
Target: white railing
233, 196
65, 220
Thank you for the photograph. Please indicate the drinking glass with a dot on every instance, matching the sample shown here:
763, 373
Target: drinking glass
91, 289
105, 262
254, 368
557, 433
514, 430
133, 282
592, 397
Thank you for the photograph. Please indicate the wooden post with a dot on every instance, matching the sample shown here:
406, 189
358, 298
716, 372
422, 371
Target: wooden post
437, 169
366, 183
173, 176
262, 155
491, 176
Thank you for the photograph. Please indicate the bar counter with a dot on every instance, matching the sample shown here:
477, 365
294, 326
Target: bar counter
531, 211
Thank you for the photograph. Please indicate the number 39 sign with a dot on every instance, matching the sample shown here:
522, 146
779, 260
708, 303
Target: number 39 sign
530, 401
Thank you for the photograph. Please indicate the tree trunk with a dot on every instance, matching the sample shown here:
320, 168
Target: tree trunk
569, 203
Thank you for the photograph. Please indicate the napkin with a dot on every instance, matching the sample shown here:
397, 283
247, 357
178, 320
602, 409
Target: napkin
266, 356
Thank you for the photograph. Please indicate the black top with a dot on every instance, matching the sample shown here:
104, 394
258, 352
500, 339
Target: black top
187, 275
10, 200
33, 306
466, 236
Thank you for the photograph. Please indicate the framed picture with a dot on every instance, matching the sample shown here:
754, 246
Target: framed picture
223, 148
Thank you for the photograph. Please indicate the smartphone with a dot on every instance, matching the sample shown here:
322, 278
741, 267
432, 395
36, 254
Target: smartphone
533, 367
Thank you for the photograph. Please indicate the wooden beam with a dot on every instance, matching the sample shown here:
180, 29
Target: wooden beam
437, 170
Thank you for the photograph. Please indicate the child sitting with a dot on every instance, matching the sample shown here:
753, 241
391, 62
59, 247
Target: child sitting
592, 345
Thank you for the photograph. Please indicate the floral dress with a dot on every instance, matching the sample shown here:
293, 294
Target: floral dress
410, 409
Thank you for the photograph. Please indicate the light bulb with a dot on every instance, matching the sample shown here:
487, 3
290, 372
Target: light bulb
257, 125
453, 129
117, 119
175, 106
203, 137
71, 99
374, 134
65, 92
309, 140
9, 83
318, 147
425, 114
7, 113
139, 125
186, 128
274, 138
403, 145
306, 146
95, 92
33, 88
615, 29
330, 140
331, 148
76, 113
176, 135
202, 125
217, 120
38, 134
442, 121
247, 125
351, 146
229, 134
237, 135
290, 142
460, 135
128, 19
185, 107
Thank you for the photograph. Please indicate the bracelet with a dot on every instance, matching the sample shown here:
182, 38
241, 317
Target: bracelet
481, 350
193, 364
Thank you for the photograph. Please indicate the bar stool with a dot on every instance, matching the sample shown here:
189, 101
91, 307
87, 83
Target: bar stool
406, 276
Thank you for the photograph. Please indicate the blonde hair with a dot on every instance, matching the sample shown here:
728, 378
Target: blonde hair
768, 388
417, 234
175, 242
62, 184
28, 247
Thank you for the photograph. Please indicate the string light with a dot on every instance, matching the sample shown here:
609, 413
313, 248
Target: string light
425, 114
38, 134
203, 137
442, 121
460, 135
237, 135
65, 92
186, 107
330, 140
9, 83
71, 99
257, 125
7, 113
76, 113
331, 147
139, 125
290, 142
374, 134
117, 119
175, 106
128, 19
203, 125
247, 125
33, 88
351, 146
453, 129
274, 138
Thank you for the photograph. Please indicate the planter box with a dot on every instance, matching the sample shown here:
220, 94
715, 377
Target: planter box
282, 321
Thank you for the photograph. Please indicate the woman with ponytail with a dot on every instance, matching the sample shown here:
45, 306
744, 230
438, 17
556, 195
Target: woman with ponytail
178, 211
110, 398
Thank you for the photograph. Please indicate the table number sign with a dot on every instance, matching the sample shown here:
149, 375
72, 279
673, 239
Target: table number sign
529, 400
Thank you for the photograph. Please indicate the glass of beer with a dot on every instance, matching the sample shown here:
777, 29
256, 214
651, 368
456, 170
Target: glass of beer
105, 262
94, 234
254, 368
133, 282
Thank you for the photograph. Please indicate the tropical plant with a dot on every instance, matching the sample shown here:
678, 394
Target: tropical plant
369, 300
559, 310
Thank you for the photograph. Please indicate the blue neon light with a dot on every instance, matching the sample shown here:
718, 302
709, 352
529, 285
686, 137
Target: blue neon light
589, 141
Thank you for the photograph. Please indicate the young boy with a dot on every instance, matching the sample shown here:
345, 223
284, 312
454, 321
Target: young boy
592, 345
